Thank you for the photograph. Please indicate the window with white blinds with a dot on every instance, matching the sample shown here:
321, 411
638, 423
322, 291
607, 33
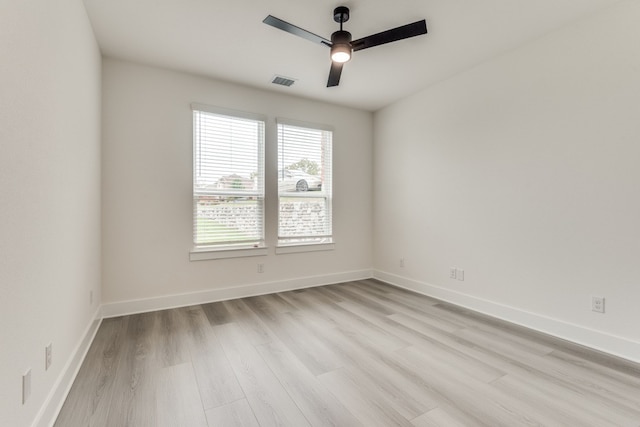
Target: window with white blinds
304, 184
228, 178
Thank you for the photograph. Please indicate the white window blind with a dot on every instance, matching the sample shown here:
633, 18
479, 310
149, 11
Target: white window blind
228, 179
304, 184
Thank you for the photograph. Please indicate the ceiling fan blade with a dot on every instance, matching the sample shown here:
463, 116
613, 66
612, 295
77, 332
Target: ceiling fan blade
334, 74
297, 31
400, 33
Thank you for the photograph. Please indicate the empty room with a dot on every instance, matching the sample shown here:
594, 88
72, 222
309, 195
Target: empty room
358, 213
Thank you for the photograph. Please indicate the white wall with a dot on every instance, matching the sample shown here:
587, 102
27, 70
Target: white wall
523, 172
147, 176
49, 197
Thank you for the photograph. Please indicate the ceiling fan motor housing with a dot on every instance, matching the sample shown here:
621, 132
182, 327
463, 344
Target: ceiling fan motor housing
341, 37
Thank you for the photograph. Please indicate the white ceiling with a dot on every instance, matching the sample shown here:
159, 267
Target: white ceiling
227, 40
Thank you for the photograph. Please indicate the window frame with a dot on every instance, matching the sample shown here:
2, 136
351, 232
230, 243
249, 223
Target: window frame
227, 249
322, 243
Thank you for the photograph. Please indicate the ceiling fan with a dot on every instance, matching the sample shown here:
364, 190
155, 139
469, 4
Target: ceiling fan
341, 44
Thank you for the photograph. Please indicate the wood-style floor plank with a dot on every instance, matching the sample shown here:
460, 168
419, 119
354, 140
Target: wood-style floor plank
318, 405
268, 399
474, 397
372, 370
358, 353
365, 406
438, 417
547, 401
217, 313
134, 390
255, 330
345, 318
172, 331
177, 398
234, 414
312, 352
217, 383
89, 400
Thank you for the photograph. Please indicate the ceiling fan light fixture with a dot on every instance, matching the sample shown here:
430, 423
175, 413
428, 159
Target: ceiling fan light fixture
341, 46
340, 53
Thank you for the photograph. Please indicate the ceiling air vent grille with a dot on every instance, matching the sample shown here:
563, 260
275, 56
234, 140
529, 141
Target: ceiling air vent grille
282, 81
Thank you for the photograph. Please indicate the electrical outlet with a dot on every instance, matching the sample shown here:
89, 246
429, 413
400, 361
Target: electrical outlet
260, 268
26, 386
48, 356
401, 262
452, 273
460, 274
597, 304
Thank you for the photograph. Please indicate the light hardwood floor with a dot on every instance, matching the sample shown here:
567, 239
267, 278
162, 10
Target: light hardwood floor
354, 354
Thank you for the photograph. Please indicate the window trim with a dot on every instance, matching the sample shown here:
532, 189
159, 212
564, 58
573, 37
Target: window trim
305, 247
228, 112
205, 252
309, 246
303, 124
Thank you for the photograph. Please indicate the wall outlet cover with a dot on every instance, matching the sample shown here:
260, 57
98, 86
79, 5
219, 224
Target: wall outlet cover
597, 304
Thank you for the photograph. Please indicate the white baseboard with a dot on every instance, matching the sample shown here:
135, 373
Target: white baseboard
598, 340
53, 404
123, 308
617, 346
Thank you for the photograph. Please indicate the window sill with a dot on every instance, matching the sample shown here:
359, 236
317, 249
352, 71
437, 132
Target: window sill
311, 247
220, 253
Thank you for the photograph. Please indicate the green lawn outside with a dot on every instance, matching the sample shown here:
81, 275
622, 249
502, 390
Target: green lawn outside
205, 228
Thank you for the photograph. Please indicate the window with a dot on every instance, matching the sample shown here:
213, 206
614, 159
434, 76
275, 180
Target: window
228, 179
304, 184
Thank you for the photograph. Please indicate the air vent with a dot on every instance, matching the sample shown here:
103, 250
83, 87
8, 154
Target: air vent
283, 81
